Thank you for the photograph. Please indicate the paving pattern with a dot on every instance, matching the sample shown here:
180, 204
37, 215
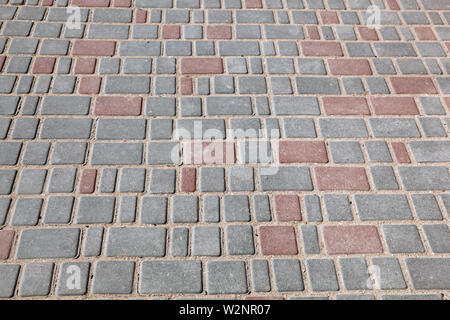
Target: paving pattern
225, 148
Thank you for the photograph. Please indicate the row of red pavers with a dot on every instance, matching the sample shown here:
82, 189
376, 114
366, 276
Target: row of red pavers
282, 240
354, 239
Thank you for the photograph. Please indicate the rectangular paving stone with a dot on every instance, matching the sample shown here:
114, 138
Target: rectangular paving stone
179, 243
284, 105
426, 207
236, 208
260, 275
211, 208
127, 209
394, 128
36, 279
116, 153
26, 212
48, 243
425, 178
261, 208
438, 237
284, 178
206, 241
58, 105
430, 151
92, 245
95, 210
127, 84
170, 277
402, 239
4, 207
68, 153
66, 286
113, 277
372, 207
65, 128
226, 277
228, 106
287, 275
429, 273
8, 278
342, 128
354, 273
136, 242
322, 275
120, 129
31, 181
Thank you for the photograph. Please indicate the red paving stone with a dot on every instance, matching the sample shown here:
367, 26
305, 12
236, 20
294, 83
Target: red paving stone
43, 65
313, 33
277, 240
140, 16
188, 179
424, 33
394, 106
117, 106
90, 85
218, 32
345, 106
329, 17
87, 181
85, 65
171, 32
287, 207
186, 86
6, 240
122, 3
253, 4
400, 152
321, 48
411, 85
367, 33
341, 178
351, 239
201, 65
302, 151
93, 48
90, 3
349, 67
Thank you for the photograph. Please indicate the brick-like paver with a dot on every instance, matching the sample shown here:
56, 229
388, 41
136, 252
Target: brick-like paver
248, 149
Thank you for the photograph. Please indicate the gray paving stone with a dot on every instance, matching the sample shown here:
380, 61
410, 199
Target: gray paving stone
62, 180
95, 210
204, 48
190, 107
163, 153
390, 275
7, 180
223, 85
179, 243
383, 178
429, 273
161, 129
212, 179
26, 212
355, 297
23, 46
345, 152
432, 127
426, 207
92, 246
109, 66
211, 208
200, 128
9, 152
126, 84
228, 106
8, 278
18, 64
239, 240
68, 153
206, 241
359, 49
261, 208
322, 275
4, 207
48, 243
411, 297
170, 277
137, 66
54, 47
36, 279
311, 66
112, 15
31, 181
132, 180
136, 242
238, 48
438, 237
378, 151
116, 153
394, 128
402, 239
372, 207
127, 209
226, 277
287, 275
107, 182
431, 106
4, 127
160, 106
162, 181
425, 178
113, 277
65, 128
260, 275
354, 273
337, 207
58, 210
67, 284
58, 105
202, 85
343, 128
236, 208
153, 210
299, 128
310, 239
313, 85
313, 209
184, 209
430, 151
284, 179
251, 85
240, 179
394, 49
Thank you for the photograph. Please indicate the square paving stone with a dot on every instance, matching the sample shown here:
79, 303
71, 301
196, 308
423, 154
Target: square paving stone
113, 277
226, 277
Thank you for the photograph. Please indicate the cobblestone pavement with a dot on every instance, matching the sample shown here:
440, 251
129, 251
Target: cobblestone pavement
110, 188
